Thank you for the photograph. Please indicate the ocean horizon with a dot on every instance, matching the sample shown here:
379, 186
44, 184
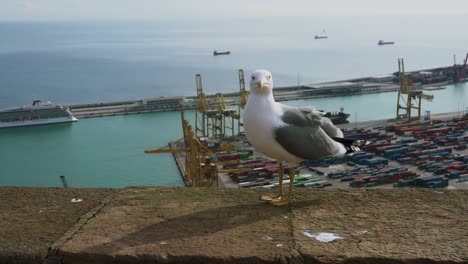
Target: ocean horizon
90, 62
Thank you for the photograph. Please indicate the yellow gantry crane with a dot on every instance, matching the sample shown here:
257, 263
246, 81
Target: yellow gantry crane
459, 70
200, 168
409, 98
216, 121
208, 117
244, 96
213, 118
227, 117
202, 109
199, 162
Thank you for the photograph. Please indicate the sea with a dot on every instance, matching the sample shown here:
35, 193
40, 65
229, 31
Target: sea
105, 61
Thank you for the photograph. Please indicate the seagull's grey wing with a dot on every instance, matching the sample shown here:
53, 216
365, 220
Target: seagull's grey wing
310, 117
307, 134
301, 116
330, 128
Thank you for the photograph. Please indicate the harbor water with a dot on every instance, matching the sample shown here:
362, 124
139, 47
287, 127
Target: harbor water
87, 62
108, 151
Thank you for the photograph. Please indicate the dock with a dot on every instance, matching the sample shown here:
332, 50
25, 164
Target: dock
431, 79
217, 225
179, 158
163, 104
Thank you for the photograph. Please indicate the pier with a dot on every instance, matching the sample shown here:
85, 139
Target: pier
179, 158
428, 79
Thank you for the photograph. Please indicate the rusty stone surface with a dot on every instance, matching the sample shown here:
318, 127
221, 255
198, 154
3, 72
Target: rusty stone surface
209, 225
383, 226
184, 225
197, 225
32, 219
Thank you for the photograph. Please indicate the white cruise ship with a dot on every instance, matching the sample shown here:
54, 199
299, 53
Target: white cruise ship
39, 113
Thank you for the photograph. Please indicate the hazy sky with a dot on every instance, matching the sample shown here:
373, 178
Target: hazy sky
178, 9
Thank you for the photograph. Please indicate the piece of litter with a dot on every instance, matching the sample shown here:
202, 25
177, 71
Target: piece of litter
267, 238
322, 237
361, 232
285, 217
118, 213
279, 245
163, 243
76, 200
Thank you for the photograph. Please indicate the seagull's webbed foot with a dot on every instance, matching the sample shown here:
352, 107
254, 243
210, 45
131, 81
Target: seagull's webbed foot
281, 201
269, 198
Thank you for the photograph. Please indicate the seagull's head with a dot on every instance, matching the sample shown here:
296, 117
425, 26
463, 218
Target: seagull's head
261, 82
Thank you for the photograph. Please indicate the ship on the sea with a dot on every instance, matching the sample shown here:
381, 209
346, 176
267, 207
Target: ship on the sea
320, 37
381, 42
216, 53
338, 117
39, 113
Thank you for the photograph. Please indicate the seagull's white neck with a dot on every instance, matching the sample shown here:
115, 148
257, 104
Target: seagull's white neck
262, 102
265, 97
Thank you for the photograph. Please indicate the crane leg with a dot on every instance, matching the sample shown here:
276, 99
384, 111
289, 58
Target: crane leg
280, 186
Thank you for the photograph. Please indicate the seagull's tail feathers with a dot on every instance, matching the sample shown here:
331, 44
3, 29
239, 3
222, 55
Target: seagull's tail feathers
352, 145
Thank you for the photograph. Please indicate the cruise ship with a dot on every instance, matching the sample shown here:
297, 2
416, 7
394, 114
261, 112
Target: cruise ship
39, 113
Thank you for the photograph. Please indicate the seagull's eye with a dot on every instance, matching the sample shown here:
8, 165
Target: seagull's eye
253, 78
269, 77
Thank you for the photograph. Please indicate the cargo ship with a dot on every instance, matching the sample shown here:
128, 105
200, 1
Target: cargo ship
320, 37
381, 42
216, 53
39, 113
337, 117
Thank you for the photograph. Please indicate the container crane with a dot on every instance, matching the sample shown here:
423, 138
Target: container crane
202, 109
230, 117
459, 70
407, 94
244, 96
217, 118
200, 168
213, 118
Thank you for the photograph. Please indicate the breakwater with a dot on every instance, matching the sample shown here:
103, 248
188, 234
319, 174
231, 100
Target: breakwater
424, 79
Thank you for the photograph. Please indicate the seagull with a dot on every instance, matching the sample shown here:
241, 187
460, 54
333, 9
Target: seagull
287, 133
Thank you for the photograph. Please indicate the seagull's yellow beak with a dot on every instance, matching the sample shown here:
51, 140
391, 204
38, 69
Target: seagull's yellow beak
261, 83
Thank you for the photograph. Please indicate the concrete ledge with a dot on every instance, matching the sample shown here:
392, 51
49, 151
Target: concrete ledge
32, 219
207, 225
385, 226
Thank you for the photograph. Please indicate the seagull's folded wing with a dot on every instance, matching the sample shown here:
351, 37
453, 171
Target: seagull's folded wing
307, 134
302, 116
